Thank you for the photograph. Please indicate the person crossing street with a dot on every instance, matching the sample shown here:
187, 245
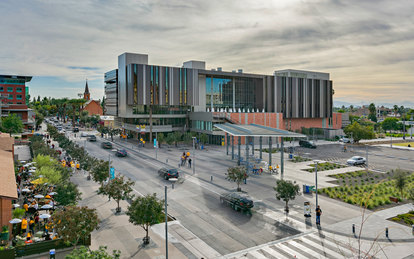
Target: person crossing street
318, 215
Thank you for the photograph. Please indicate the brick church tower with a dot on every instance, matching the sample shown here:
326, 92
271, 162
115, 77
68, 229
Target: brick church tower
86, 94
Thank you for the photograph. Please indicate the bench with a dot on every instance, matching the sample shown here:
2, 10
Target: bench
394, 199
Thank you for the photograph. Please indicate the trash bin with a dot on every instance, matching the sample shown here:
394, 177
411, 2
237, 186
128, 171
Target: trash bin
202, 147
307, 190
290, 156
306, 208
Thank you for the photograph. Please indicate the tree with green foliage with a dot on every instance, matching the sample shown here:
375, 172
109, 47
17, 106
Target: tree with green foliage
75, 223
237, 174
161, 139
169, 139
67, 194
372, 112
12, 124
119, 189
49, 174
401, 180
85, 253
203, 138
359, 132
100, 171
146, 211
286, 191
177, 137
390, 123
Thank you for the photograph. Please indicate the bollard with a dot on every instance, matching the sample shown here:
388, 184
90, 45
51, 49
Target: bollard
353, 228
211, 178
173, 185
166, 161
386, 232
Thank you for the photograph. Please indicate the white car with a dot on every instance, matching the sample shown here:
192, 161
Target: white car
84, 134
345, 140
356, 160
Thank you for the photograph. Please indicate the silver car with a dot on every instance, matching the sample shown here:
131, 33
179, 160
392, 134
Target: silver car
356, 160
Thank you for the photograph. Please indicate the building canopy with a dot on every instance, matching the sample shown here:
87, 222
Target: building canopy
254, 130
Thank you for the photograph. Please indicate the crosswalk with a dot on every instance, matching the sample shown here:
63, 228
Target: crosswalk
310, 246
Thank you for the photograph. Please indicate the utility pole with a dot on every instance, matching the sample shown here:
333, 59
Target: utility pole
194, 153
366, 151
166, 224
316, 181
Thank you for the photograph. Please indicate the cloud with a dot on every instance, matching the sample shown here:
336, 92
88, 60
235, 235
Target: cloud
361, 43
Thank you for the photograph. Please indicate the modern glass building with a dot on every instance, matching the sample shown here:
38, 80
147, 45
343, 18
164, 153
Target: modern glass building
193, 98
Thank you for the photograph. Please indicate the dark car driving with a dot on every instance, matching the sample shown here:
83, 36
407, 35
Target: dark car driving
307, 143
121, 153
168, 173
237, 200
106, 145
75, 129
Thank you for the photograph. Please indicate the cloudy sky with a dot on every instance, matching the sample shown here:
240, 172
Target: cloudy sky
366, 46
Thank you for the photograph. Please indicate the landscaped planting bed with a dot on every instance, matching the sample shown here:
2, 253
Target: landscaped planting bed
324, 166
360, 187
298, 159
405, 219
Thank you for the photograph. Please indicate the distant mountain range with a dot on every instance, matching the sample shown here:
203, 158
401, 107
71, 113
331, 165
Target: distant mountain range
406, 104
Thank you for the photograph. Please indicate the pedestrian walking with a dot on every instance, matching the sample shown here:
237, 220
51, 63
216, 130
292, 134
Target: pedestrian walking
31, 225
318, 215
189, 162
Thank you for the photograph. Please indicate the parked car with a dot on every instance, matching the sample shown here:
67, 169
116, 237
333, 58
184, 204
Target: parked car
84, 134
237, 200
75, 130
307, 144
106, 145
356, 160
121, 153
345, 140
92, 138
168, 173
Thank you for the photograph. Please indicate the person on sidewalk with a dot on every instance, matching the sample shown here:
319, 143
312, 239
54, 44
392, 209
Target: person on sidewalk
318, 215
189, 162
24, 225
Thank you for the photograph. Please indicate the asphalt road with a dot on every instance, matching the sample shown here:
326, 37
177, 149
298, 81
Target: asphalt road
195, 203
379, 158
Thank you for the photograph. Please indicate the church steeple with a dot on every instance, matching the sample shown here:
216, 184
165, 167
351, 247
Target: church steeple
86, 94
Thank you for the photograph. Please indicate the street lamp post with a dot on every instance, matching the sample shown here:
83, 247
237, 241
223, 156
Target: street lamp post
166, 224
193, 163
109, 167
316, 180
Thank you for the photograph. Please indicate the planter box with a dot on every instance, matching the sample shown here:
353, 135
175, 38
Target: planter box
7, 254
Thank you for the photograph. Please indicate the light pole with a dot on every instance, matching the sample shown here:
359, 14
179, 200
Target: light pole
411, 126
193, 164
316, 180
366, 151
166, 224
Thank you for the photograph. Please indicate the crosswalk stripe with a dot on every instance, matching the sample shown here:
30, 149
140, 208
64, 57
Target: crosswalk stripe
282, 251
322, 249
290, 251
332, 244
256, 255
273, 254
295, 245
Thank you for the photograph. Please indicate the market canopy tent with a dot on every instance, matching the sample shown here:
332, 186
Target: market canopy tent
250, 131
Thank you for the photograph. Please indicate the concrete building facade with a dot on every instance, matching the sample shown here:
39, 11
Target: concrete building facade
192, 97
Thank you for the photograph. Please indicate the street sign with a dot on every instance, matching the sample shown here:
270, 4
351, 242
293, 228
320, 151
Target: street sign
112, 173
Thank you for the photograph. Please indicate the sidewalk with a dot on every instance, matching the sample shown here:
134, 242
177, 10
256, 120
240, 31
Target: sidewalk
116, 232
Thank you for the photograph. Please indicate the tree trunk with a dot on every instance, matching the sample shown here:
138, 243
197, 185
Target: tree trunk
238, 187
118, 209
287, 207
